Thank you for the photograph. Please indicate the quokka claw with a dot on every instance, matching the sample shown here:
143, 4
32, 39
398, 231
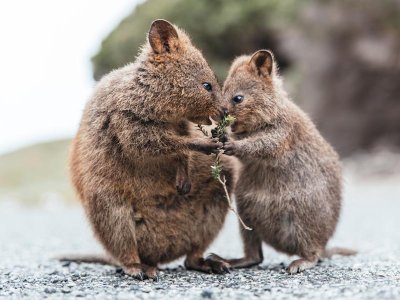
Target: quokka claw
142, 272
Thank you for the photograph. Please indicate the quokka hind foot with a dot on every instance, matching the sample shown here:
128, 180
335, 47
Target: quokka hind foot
237, 263
208, 265
299, 265
142, 271
302, 264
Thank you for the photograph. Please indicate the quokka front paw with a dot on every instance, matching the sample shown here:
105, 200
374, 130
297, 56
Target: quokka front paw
206, 146
230, 148
183, 186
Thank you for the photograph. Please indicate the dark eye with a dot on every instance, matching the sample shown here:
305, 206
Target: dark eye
207, 86
237, 99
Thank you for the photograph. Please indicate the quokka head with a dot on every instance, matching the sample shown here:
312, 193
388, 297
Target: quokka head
251, 91
186, 86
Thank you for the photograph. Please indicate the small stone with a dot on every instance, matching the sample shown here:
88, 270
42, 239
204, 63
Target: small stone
66, 263
50, 290
53, 272
206, 294
145, 289
134, 288
159, 287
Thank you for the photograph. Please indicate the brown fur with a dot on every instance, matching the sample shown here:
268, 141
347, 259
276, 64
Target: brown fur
135, 144
290, 184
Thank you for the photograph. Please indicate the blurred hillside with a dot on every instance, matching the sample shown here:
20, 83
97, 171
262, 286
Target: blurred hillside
36, 174
222, 30
341, 59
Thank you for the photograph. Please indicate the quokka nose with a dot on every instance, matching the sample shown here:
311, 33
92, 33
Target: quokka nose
220, 114
224, 112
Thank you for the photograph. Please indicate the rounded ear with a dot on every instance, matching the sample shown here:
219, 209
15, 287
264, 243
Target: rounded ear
163, 36
262, 62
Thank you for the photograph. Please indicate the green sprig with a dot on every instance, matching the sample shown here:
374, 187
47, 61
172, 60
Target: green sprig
220, 130
216, 169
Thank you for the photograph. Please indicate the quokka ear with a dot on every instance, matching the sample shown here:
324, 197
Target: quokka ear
163, 37
262, 62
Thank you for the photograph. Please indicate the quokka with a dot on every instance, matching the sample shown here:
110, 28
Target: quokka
135, 148
290, 184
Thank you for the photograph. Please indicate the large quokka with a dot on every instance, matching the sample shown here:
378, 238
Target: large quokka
289, 187
132, 151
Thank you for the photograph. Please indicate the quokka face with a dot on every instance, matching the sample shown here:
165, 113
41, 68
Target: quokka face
249, 92
186, 78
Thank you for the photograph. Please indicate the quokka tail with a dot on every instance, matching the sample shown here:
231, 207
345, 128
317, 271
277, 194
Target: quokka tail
328, 253
91, 259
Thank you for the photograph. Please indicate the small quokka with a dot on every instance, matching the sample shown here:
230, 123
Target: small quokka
290, 183
135, 148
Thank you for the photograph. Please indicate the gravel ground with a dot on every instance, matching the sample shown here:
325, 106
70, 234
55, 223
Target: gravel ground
30, 238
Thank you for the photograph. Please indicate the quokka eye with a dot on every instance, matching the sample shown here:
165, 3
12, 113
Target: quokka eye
237, 99
207, 86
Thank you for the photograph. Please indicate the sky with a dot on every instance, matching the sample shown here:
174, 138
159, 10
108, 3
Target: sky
45, 69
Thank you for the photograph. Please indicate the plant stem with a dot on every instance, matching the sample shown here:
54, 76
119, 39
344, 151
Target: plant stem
222, 180
216, 168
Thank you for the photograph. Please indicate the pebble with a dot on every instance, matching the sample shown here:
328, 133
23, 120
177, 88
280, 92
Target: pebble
206, 294
50, 290
66, 290
146, 289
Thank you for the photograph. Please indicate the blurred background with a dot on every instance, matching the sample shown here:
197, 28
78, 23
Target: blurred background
340, 61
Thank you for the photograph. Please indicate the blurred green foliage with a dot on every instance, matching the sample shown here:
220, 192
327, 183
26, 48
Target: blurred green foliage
221, 29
